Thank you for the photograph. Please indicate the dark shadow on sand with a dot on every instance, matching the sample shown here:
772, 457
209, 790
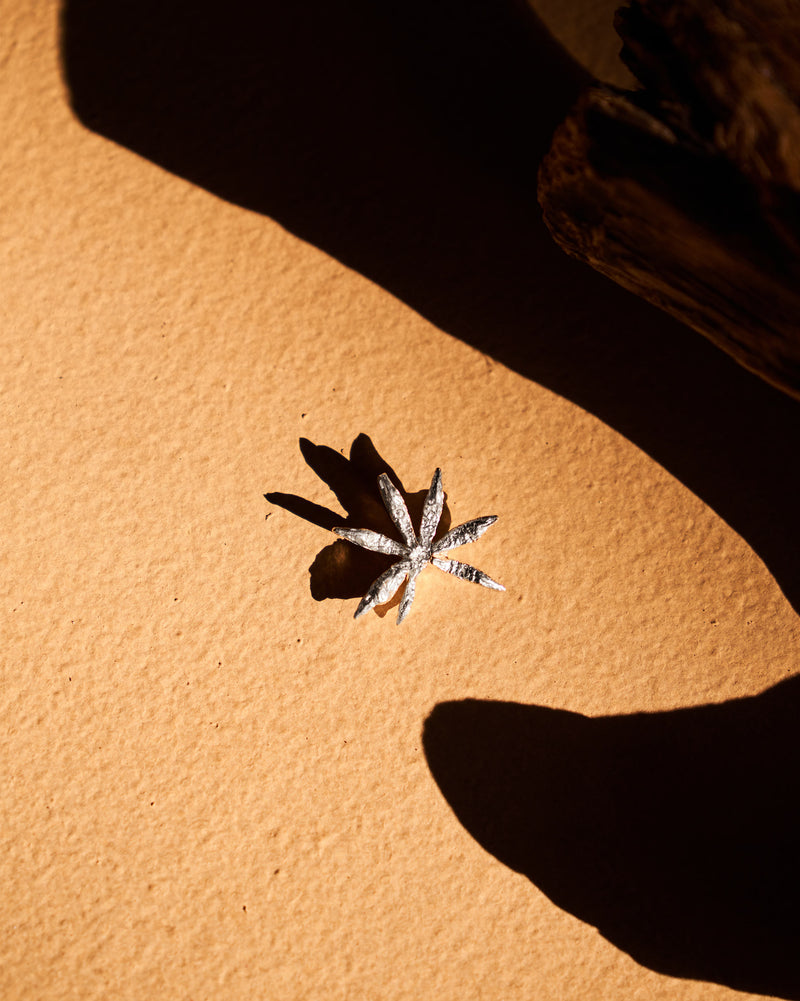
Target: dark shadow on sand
676, 834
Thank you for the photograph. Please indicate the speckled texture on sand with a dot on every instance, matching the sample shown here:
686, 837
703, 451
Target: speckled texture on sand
213, 785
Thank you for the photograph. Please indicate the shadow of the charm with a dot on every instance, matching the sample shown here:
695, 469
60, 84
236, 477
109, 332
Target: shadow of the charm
676, 834
341, 569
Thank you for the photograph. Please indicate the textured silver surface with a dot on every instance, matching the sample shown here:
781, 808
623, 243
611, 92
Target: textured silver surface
416, 552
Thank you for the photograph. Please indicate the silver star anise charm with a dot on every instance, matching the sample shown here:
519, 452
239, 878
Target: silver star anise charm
416, 552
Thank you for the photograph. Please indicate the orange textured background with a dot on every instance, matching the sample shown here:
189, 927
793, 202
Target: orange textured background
214, 785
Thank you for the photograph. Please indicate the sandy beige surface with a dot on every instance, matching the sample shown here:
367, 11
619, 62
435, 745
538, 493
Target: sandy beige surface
214, 785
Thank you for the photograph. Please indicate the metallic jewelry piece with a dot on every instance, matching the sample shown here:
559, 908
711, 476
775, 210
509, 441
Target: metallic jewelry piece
416, 552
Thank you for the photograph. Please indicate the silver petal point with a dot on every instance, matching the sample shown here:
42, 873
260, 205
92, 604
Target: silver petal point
462, 534
382, 589
465, 572
396, 506
408, 596
432, 510
373, 541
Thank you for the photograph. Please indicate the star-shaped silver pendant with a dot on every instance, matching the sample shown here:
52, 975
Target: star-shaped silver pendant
416, 552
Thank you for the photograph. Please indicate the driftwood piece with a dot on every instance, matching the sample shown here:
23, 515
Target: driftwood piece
687, 192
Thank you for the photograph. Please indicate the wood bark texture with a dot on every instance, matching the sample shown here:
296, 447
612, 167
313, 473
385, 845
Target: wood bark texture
687, 192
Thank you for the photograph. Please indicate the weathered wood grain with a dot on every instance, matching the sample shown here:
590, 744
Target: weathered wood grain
687, 192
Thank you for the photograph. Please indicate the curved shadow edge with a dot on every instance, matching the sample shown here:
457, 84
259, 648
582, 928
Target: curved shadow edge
675, 834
